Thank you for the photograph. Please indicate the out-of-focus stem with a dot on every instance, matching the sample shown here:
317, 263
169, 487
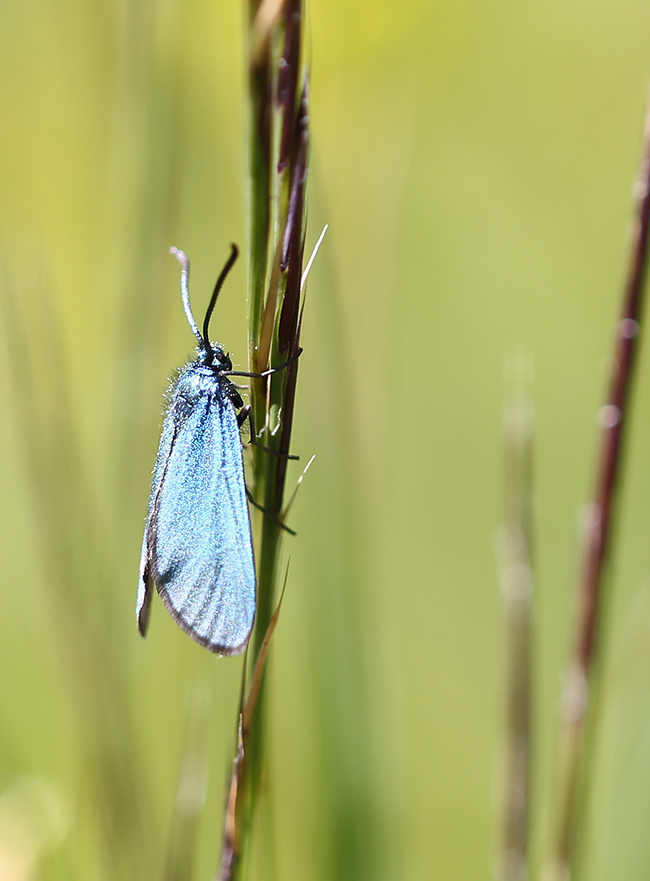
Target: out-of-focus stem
597, 535
515, 571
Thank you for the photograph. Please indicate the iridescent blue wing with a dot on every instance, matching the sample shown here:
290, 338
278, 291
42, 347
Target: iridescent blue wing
197, 548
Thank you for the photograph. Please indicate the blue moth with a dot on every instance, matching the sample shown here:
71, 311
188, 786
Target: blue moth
197, 548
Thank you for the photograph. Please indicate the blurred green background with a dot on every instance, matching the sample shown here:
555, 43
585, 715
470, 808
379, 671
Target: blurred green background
475, 162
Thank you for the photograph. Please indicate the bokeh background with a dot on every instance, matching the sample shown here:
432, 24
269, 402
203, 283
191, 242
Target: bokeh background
475, 162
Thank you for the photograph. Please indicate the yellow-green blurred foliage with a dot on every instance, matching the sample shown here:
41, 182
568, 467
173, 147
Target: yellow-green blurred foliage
474, 161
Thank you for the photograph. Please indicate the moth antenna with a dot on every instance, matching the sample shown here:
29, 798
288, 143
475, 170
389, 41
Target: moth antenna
215, 293
184, 260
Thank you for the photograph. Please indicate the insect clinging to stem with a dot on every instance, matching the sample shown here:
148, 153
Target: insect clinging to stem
197, 548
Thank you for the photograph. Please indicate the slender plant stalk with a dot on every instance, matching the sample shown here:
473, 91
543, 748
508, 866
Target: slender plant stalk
597, 537
86, 633
191, 785
516, 577
278, 147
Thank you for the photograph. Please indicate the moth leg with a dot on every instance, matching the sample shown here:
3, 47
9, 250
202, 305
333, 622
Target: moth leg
268, 513
245, 413
264, 373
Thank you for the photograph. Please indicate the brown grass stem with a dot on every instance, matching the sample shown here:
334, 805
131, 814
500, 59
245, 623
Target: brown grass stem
599, 523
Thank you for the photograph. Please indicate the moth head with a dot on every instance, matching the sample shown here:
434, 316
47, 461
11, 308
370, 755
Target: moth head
216, 358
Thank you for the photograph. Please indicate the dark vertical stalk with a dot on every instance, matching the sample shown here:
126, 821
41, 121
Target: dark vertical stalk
515, 571
597, 537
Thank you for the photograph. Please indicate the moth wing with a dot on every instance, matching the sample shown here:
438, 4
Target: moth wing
199, 548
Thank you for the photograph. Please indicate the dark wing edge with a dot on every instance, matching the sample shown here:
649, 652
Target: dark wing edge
145, 591
146, 582
214, 647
